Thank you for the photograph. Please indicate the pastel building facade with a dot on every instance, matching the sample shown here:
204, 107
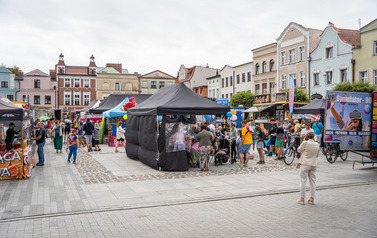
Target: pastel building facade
236, 79
214, 86
9, 84
331, 61
38, 89
153, 81
294, 46
365, 56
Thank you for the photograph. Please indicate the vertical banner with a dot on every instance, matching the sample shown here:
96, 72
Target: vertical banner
291, 93
348, 120
373, 144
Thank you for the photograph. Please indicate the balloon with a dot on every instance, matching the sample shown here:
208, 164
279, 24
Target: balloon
159, 118
229, 114
234, 112
125, 117
233, 118
207, 117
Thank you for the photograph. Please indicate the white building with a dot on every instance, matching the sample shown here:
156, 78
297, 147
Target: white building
236, 79
214, 86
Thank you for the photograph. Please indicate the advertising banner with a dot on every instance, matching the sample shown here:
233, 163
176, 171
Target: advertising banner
373, 144
291, 94
348, 119
15, 165
265, 98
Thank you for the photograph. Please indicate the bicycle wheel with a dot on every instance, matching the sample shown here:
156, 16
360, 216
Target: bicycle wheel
331, 154
289, 155
343, 155
324, 149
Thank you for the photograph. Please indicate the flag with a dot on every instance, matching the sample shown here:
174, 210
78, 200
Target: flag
291, 93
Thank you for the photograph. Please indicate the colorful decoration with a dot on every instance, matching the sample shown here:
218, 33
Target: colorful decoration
233, 118
229, 114
130, 104
207, 117
159, 118
125, 117
249, 129
234, 112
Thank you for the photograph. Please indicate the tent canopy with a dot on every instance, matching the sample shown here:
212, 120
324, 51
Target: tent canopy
116, 111
12, 112
177, 99
316, 106
114, 99
95, 103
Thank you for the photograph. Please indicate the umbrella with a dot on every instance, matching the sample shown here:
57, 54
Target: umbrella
67, 120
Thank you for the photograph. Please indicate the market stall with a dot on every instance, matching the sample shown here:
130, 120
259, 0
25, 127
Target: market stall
84, 113
16, 157
164, 146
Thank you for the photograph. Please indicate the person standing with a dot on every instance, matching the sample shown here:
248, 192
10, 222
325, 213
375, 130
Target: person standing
279, 141
272, 133
40, 140
72, 145
233, 139
80, 134
212, 127
308, 166
286, 125
252, 127
88, 129
205, 147
259, 137
57, 130
246, 142
120, 135
305, 130
10, 135
96, 136
318, 130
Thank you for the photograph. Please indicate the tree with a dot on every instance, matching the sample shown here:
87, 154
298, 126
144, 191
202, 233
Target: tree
300, 95
242, 98
15, 69
365, 87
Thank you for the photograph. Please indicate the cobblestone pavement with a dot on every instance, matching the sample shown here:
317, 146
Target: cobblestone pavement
94, 172
341, 212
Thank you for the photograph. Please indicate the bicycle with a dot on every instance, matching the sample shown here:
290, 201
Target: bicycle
331, 150
291, 152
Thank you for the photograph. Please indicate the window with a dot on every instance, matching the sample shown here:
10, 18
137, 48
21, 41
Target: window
77, 82
257, 87
226, 82
238, 79
230, 96
117, 86
86, 83
264, 67
294, 79
222, 83
4, 84
92, 71
292, 56
67, 98
375, 76
86, 98
67, 82
248, 76
316, 79
37, 99
153, 84
47, 99
375, 47
283, 81
226, 95
37, 83
231, 81
272, 65
343, 75
77, 98
217, 93
302, 53
283, 58
10, 97
329, 52
264, 88
222, 95
257, 68
61, 71
209, 93
329, 77
24, 98
161, 84
302, 78
272, 88
363, 76
243, 77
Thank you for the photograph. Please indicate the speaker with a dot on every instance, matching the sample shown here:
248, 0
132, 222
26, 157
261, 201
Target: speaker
58, 114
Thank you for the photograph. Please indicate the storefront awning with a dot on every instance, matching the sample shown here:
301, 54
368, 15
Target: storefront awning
262, 108
251, 109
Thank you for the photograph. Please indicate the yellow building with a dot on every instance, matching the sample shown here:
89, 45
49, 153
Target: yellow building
112, 79
365, 57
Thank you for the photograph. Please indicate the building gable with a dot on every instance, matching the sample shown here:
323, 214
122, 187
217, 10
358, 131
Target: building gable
36, 72
157, 74
370, 26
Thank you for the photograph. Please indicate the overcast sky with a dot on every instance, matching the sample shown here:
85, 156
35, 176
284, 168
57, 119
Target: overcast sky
150, 35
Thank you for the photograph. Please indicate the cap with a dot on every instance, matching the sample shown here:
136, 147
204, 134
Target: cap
74, 130
355, 114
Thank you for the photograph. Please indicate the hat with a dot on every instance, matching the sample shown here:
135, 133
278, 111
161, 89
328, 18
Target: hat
355, 114
286, 119
74, 130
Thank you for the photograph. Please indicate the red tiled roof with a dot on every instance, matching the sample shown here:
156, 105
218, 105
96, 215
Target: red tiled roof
76, 70
348, 36
61, 62
92, 64
190, 73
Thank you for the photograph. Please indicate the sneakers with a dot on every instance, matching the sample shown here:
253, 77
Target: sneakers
260, 162
239, 166
39, 164
69, 161
74, 162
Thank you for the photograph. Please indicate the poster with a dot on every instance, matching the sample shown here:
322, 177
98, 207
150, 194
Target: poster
348, 120
373, 144
15, 165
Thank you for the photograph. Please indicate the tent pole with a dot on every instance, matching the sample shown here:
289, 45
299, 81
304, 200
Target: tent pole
230, 151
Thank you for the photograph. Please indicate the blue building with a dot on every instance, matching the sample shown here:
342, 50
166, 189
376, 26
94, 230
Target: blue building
331, 61
9, 84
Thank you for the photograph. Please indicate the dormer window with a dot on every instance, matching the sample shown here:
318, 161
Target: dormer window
37, 83
92, 71
329, 52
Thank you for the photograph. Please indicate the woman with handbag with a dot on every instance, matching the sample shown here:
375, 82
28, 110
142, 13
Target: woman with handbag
309, 150
259, 137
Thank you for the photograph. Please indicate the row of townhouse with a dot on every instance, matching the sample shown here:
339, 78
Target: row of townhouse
73, 87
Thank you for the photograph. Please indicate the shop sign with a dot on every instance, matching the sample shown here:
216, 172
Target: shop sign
281, 97
279, 107
223, 101
265, 98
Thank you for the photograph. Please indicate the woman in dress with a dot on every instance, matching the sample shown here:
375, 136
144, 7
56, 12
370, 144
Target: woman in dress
57, 130
120, 136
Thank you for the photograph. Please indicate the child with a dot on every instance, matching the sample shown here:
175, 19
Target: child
194, 153
279, 144
72, 144
96, 136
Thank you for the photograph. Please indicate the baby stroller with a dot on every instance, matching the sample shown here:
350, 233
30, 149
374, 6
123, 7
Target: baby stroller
223, 153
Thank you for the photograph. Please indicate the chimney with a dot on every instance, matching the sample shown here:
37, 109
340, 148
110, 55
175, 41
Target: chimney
117, 67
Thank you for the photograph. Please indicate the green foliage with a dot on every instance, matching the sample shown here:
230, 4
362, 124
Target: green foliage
15, 69
300, 95
365, 87
242, 98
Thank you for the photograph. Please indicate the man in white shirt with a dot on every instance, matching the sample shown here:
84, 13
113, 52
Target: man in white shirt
305, 130
212, 127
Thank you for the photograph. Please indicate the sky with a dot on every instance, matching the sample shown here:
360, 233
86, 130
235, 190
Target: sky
148, 35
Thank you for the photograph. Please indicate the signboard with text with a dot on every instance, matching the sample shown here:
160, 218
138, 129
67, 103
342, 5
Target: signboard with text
265, 98
281, 97
223, 101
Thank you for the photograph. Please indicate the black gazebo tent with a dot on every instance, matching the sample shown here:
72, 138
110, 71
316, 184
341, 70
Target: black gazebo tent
316, 106
114, 99
141, 130
11, 112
